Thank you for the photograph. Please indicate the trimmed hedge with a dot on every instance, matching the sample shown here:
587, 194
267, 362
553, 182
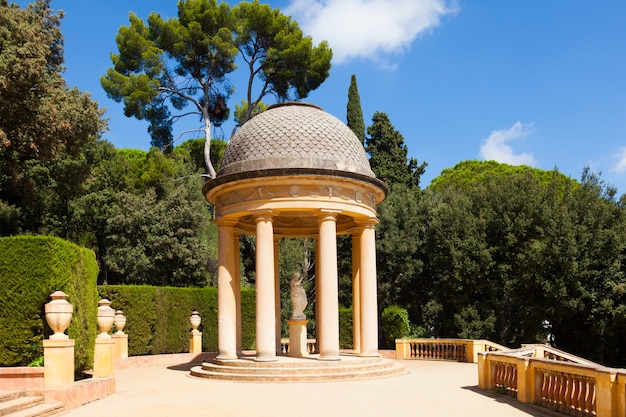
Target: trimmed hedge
32, 268
345, 328
158, 317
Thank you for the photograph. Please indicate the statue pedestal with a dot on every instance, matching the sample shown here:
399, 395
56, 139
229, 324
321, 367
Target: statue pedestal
297, 338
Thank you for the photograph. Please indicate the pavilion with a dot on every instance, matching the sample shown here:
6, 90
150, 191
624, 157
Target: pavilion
296, 171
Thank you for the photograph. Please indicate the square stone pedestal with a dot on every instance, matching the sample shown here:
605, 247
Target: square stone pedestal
58, 359
297, 338
195, 341
103, 358
121, 345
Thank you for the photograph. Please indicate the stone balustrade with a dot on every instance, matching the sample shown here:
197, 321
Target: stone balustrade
311, 346
461, 350
556, 380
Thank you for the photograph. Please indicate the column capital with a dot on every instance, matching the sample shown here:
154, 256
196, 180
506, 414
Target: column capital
226, 222
368, 222
327, 213
263, 214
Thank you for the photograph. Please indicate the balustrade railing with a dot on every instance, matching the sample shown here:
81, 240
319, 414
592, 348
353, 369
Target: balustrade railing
461, 350
311, 346
565, 386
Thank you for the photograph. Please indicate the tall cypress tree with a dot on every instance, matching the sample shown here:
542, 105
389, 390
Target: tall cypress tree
355, 114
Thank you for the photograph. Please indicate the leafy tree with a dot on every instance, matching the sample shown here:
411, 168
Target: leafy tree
519, 254
45, 126
276, 52
156, 242
164, 65
354, 112
388, 154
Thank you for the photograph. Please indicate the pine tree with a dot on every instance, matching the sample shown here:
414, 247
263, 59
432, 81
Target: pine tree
355, 114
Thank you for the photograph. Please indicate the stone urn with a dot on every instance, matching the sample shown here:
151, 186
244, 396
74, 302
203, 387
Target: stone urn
59, 315
119, 321
106, 316
195, 321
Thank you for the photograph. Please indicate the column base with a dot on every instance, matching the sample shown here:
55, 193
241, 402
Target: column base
297, 338
329, 358
369, 355
267, 358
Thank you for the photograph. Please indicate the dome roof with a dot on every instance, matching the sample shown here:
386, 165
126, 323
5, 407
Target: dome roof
295, 137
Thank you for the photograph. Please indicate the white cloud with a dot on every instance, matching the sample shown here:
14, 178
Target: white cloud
496, 147
620, 165
371, 29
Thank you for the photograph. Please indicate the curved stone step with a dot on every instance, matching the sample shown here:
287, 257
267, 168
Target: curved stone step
299, 370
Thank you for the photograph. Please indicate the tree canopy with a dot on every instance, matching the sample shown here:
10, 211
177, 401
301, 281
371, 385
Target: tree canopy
45, 126
166, 70
389, 154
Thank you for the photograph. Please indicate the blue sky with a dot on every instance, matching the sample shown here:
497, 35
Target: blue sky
534, 82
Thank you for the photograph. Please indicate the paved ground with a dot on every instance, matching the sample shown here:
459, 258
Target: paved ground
431, 388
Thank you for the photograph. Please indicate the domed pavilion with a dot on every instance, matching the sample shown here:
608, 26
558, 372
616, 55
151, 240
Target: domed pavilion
296, 171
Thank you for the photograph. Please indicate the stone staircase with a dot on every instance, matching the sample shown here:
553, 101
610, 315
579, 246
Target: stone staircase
27, 404
286, 369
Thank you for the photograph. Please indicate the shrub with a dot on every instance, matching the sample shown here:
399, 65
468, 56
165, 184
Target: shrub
345, 328
395, 325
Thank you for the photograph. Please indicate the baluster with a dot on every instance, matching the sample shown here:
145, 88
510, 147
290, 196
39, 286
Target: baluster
514, 382
567, 392
549, 392
575, 391
592, 403
561, 391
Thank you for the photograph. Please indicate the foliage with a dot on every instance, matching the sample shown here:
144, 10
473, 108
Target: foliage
45, 126
400, 236
513, 253
345, 328
354, 113
158, 317
388, 154
165, 65
394, 324
156, 242
275, 51
32, 268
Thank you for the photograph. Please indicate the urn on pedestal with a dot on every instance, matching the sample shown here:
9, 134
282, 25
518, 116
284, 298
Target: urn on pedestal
119, 321
106, 317
59, 315
195, 321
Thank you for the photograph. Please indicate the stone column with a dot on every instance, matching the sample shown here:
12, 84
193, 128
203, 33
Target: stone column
277, 294
369, 303
328, 298
265, 293
226, 292
356, 293
237, 287
318, 292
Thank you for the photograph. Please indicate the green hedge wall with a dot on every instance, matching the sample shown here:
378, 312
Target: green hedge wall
158, 317
345, 328
32, 268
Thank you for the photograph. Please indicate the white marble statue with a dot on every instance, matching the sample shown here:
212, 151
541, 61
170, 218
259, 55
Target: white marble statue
298, 297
